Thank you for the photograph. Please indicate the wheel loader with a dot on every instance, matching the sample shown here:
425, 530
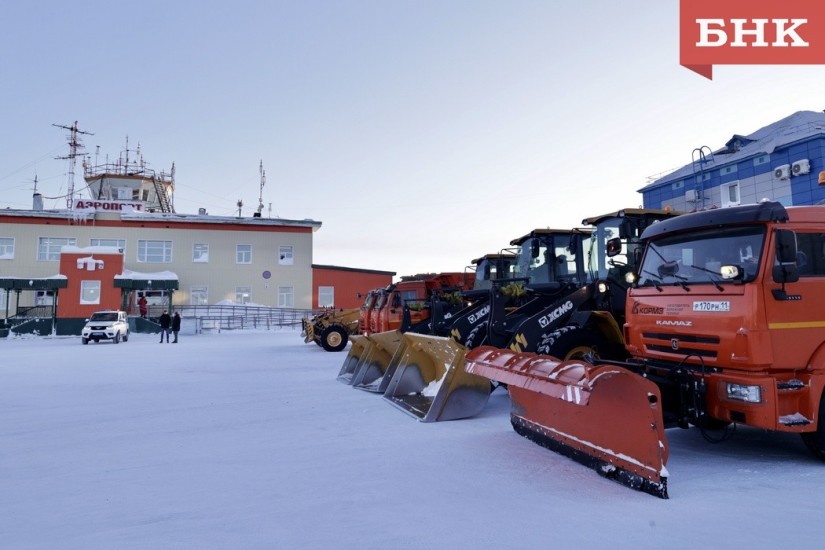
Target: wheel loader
723, 327
377, 345
332, 329
428, 381
373, 365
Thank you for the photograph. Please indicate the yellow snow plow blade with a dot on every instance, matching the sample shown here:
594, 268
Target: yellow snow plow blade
605, 417
360, 345
430, 382
375, 361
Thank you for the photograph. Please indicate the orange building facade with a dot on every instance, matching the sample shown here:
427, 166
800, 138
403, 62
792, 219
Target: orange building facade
345, 287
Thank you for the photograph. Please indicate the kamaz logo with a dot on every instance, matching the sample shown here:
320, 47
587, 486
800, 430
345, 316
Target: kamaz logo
675, 323
479, 315
555, 314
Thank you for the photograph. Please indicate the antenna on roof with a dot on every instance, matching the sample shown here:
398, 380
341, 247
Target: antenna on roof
261, 191
74, 147
240, 205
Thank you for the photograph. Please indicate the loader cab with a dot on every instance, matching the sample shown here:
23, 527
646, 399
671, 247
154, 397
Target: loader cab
491, 267
551, 255
615, 247
364, 311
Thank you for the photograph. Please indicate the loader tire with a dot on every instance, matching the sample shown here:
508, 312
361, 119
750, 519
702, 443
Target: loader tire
572, 342
815, 441
334, 338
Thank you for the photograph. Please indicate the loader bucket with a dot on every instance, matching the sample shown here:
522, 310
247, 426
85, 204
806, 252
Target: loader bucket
605, 417
308, 330
360, 345
430, 382
376, 359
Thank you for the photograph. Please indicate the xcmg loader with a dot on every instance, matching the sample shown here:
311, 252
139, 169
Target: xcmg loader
723, 327
429, 382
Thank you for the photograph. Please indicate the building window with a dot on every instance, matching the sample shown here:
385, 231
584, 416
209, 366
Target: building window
159, 252
6, 248
677, 185
120, 244
89, 292
326, 296
730, 193
762, 159
44, 298
243, 254
243, 294
285, 255
48, 248
199, 295
729, 169
200, 253
286, 296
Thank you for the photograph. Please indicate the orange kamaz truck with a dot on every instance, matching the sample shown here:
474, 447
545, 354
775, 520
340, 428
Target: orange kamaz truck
725, 324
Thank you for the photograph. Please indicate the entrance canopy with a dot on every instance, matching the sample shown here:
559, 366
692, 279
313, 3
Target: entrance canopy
28, 283
134, 280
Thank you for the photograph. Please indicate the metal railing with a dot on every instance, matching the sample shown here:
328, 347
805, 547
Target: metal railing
224, 317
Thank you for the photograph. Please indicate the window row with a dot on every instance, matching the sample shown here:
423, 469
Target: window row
199, 295
148, 251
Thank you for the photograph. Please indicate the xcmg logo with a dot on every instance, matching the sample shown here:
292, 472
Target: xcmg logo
750, 32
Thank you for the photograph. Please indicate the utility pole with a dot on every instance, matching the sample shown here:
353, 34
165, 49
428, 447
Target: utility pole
74, 151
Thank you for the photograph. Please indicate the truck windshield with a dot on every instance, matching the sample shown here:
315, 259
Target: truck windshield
698, 257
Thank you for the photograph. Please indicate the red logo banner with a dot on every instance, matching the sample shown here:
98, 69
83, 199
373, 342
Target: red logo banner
750, 32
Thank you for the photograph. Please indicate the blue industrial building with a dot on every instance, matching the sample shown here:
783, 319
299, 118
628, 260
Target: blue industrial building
784, 161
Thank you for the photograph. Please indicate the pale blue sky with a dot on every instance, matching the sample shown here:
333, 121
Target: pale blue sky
421, 133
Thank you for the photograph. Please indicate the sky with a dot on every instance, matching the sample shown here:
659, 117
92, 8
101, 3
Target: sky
186, 446
421, 133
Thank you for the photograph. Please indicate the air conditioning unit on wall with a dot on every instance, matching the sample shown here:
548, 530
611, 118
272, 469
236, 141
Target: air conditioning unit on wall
782, 172
693, 195
801, 167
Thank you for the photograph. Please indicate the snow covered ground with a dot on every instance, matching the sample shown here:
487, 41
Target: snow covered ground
247, 440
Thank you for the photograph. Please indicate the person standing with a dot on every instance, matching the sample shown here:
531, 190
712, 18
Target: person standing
165, 322
175, 326
142, 306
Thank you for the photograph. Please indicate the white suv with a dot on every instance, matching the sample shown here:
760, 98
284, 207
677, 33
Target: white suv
106, 325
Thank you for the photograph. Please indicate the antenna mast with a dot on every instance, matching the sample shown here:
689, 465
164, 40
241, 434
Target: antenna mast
261, 192
74, 147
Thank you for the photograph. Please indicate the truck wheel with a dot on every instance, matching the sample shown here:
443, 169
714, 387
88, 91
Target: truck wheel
126, 336
84, 340
815, 441
334, 338
572, 342
116, 339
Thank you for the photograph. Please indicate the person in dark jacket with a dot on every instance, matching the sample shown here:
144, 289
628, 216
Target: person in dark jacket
165, 322
176, 326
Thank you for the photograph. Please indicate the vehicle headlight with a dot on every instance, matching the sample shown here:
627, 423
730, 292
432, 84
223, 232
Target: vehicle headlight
602, 287
741, 392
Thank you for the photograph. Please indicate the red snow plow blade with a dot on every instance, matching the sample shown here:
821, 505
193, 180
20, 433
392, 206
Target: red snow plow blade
604, 417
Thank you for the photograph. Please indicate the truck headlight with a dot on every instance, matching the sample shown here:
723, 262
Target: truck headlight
740, 392
602, 287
